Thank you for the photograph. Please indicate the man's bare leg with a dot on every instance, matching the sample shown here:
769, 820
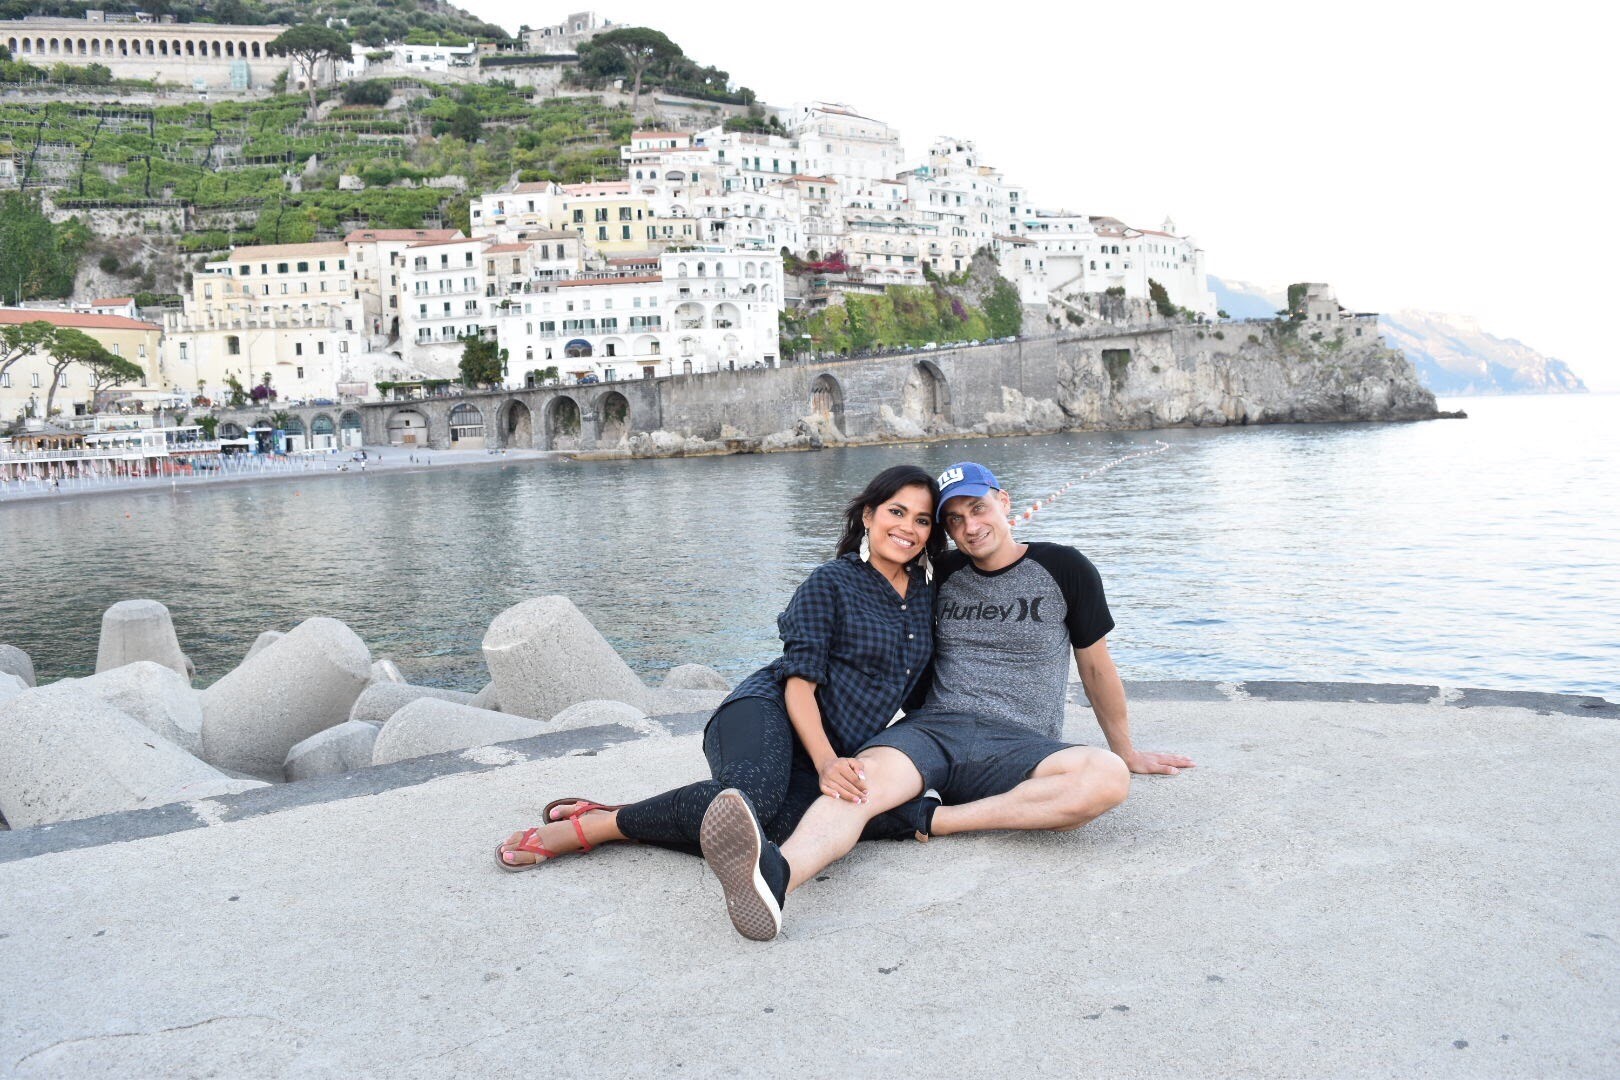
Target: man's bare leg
830, 828
1066, 790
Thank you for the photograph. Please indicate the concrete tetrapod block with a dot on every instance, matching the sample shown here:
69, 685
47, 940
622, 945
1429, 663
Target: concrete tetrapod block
65, 754
262, 642
386, 671
544, 656
161, 699
694, 677
134, 630
332, 752
307, 682
431, 726
379, 701
10, 685
486, 699
14, 661
597, 713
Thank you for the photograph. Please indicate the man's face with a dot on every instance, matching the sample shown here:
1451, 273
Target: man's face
978, 524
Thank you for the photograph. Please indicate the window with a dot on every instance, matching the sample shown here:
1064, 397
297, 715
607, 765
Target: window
33, 379
233, 345
303, 268
579, 215
300, 372
625, 229
320, 348
298, 348
322, 265
5, 380
182, 350
601, 232
246, 270
601, 213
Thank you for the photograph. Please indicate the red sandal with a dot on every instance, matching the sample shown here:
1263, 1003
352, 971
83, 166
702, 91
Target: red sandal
530, 841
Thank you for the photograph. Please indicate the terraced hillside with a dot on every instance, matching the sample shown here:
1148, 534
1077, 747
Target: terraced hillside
267, 172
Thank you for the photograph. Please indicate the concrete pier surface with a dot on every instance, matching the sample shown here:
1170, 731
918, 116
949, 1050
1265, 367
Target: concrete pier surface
1355, 881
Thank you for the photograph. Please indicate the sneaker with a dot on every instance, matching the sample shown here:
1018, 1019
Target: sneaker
750, 868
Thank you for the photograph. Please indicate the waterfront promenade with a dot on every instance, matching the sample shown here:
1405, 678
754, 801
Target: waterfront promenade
1356, 881
338, 465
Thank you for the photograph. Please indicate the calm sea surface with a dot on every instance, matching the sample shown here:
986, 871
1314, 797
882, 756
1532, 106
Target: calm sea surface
1483, 552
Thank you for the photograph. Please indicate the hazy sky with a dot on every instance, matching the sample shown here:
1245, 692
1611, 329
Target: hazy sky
1446, 157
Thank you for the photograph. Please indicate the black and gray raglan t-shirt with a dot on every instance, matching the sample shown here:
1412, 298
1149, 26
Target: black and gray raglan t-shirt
1003, 638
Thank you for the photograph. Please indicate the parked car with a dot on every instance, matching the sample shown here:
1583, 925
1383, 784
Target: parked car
931, 345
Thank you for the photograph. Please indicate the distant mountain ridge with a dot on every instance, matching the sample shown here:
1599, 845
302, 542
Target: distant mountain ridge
1452, 353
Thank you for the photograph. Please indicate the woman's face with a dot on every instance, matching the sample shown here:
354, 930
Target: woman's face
898, 529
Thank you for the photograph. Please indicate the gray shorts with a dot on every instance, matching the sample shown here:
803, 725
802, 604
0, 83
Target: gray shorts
967, 758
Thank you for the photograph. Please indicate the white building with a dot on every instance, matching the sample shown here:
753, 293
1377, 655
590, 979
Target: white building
704, 310
441, 293
289, 311
410, 59
835, 140
377, 258
566, 36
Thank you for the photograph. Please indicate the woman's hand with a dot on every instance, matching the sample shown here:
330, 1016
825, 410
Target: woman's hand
844, 778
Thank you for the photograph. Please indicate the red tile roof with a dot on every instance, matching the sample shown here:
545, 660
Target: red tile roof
361, 235
77, 319
644, 279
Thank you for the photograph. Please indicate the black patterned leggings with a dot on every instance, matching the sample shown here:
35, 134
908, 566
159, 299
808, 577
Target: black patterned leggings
750, 746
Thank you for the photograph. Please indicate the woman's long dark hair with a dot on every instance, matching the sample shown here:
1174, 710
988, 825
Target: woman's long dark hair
883, 487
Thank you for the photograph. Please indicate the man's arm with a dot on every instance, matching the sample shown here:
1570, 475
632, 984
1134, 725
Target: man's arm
1106, 692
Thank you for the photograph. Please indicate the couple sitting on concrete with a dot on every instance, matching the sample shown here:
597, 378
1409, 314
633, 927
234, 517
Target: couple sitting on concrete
804, 756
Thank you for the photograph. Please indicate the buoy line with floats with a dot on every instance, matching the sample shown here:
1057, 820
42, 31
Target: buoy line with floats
1159, 446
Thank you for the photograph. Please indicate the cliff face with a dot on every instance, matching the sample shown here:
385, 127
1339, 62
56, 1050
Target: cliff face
1234, 374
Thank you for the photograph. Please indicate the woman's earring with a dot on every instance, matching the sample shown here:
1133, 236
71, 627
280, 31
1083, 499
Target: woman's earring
928, 567
866, 546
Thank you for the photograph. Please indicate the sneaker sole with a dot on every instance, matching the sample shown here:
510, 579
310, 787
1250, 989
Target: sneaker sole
732, 843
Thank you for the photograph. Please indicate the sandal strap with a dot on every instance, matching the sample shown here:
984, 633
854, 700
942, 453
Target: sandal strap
584, 844
531, 843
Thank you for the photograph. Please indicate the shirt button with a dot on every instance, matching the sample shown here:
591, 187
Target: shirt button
910, 636
902, 607
908, 671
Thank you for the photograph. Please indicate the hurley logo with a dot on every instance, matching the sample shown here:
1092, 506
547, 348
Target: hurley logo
1027, 609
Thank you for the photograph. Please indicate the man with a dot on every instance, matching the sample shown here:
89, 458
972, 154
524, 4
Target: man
1006, 616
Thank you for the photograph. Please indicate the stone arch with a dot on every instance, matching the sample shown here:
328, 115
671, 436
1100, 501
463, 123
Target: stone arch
827, 399
725, 316
294, 435
163, 48
95, 46
322, 432
407, 427
467, 427
230, 429
613, 419
517, 426
562, 423
689, 316
256, 54
647, 345
230, 48
615, 347
748, 270
926, 396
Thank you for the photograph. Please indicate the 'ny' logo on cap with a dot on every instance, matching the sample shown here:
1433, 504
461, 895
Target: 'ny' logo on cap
949, 476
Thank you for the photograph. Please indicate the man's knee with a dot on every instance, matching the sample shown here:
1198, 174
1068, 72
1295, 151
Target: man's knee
1094, 782
891, 778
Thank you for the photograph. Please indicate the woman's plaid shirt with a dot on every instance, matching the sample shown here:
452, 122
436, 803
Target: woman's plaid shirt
862, 644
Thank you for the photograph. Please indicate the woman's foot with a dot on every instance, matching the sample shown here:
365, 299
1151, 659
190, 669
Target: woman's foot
560, 836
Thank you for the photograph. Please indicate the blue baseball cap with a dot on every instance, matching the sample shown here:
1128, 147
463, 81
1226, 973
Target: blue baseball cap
966, 478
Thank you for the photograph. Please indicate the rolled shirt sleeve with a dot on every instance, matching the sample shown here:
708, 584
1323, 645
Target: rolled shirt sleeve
807, 628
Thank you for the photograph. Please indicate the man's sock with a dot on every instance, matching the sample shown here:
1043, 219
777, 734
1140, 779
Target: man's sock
774, 868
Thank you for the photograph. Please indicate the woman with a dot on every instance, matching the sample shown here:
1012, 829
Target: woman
856, 639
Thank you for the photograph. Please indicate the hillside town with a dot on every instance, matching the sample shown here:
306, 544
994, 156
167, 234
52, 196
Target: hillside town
687, 262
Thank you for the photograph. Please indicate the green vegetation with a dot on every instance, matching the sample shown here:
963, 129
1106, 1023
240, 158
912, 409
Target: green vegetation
756, 122
903, 315
1161, 300
234, 163
307, 46
371, 22
483, 363
1004, 310
647, 58
1117, 362
37, 259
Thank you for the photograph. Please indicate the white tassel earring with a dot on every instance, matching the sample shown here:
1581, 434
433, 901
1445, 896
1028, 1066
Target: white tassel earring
866, 546
927, 567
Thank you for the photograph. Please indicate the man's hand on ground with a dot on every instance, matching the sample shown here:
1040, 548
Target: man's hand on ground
844, 778
1148, 762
